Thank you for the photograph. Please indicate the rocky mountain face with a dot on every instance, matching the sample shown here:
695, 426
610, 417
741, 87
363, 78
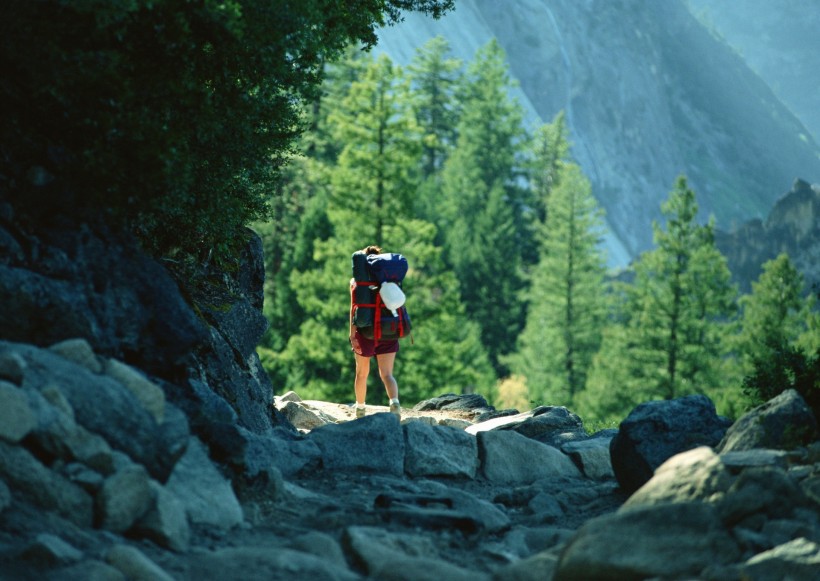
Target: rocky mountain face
793, 227
649, 94
780, 43
139, 439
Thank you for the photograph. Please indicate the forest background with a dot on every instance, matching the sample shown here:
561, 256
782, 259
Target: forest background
180, 122
508, 288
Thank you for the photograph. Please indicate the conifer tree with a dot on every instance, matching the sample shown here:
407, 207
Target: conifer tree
370, 202
480, 210
778, 343
675, 320
434, 79
567, 307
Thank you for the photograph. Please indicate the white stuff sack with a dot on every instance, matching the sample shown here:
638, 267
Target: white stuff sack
392, 297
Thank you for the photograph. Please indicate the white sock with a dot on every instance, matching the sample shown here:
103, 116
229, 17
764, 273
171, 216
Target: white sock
359, 405
394, 400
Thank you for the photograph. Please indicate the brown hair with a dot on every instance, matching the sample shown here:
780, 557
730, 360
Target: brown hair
372, 250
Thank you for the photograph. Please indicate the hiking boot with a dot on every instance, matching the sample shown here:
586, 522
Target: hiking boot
359, 412
395, 409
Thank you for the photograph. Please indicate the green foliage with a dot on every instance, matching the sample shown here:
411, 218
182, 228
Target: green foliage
370, 201
674, 335
480, 211
434, 79
567, 307
786, 367
170, 117
780, 337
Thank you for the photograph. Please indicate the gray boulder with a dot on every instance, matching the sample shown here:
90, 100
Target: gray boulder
264, 562
124, 498
374, 443
782, 423
79, 351
797, 560
591, 456
694, 475
42, 487
472, 403
51, 551
301, 417
101, 405
206, 495
12, 367
135, 565
510, 458
657, 430
667, 541
165, 521
439, 451
17, 418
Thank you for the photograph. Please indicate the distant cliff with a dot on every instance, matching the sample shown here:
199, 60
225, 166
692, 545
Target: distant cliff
779, 41
649, 94
793, 226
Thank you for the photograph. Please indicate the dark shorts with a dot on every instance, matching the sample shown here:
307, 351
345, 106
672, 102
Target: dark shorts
370, 347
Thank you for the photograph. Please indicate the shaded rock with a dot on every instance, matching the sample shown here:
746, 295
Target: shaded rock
12, 367
321, 545
172, 437
78, 351
545, 507
509, 458
811, 488
101, 405
454, 423
487, 514
439, 451
657, 430
591, 456
88, 479
735, 461
123, 499
133, 563
149, 394
265, 563
797, 560
664, 541
761, 491
782, 423
553, 425
693, 475
91, 570
205, 494
43, 488
165, 522
58, 436
5, 496
16, 416
400, 556
374, 443
251, 455
92, 284
51, 551
534, 568
452, 402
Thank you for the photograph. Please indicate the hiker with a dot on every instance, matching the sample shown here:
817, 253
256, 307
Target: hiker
364, 348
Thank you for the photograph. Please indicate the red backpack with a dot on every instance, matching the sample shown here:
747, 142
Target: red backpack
368, 313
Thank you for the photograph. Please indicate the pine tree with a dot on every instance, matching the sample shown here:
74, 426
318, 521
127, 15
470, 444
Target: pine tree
567, 309
778, 344
676, 315
434, 79
480, 210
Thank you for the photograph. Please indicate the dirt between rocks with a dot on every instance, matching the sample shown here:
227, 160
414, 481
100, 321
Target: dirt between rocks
319, 513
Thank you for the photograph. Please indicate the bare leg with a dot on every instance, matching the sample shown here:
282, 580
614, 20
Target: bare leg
385, 362
362, 371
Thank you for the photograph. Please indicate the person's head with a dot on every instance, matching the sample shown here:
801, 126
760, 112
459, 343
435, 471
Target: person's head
372, 250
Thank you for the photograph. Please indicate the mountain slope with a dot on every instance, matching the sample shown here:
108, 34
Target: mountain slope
779, 41
649, 94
